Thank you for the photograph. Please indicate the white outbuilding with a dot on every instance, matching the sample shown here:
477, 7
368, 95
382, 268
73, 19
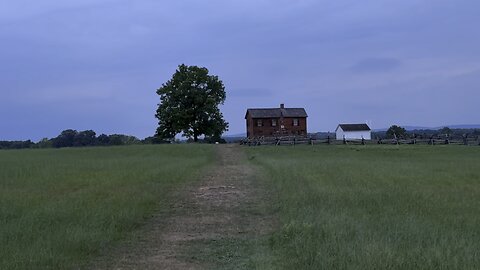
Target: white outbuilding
353, 132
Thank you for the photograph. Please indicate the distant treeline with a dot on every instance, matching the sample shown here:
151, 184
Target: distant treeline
428, 133
73, 138
407, 134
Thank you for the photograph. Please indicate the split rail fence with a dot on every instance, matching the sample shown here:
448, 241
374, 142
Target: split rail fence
299, 140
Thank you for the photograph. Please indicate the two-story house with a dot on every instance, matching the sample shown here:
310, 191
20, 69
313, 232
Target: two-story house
271, 122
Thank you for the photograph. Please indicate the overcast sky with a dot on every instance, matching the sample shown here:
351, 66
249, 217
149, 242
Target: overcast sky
96, 64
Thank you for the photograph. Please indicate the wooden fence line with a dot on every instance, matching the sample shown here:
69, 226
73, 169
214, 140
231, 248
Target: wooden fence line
296, 140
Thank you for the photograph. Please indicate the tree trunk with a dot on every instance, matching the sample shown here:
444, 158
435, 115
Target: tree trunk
195, 137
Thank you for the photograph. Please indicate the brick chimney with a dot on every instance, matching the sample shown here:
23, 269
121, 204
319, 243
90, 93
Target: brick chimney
282, 106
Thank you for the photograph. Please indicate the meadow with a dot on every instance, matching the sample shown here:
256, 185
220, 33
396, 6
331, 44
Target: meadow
328, 207
61, 207
373, 207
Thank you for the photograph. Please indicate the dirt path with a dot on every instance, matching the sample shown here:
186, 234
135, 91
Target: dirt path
215, 209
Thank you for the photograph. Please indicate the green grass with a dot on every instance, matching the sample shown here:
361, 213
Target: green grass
59, 208
347, 207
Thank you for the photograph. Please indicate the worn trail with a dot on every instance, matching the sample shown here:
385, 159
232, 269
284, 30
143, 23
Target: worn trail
211, 210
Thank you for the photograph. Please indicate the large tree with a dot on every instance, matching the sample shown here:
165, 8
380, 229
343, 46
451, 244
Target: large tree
65, 139
85, 138
189, 104
396, 131
446, 131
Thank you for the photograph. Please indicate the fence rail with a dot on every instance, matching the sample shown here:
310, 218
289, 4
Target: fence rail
298, 140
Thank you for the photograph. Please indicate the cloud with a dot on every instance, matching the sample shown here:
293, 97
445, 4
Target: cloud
249, 92
374, 65
342, 60
24, 9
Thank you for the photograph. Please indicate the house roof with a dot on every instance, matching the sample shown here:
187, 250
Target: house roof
354, 127
276, 112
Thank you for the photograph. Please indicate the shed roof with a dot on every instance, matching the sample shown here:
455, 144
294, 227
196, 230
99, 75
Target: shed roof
354, 127
276, 112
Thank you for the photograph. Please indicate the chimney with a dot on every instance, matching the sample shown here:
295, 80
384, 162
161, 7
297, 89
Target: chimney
282, 106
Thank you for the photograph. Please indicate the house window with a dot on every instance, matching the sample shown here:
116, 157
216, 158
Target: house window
295, 122
274, 122
259, 123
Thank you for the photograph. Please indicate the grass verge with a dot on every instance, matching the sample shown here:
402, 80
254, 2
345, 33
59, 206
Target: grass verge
346, 207
59, 208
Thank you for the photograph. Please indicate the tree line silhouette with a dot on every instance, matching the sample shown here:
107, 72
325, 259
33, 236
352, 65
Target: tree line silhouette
74, 138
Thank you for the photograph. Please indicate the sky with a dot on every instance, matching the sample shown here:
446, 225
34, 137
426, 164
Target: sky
96, 64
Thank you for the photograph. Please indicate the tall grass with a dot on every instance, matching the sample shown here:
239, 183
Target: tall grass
374, 207
60, 207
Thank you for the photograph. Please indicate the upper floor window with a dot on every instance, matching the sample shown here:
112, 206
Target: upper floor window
259, 123
274, 122
295, 122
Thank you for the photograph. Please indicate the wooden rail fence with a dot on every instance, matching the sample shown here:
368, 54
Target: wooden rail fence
298, 140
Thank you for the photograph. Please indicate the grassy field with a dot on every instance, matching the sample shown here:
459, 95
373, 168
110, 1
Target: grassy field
331, 207
347, 207
58, 208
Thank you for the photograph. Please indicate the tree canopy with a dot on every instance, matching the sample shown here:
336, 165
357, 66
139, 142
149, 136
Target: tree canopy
189, 104
446, 131
73, 138
396, 131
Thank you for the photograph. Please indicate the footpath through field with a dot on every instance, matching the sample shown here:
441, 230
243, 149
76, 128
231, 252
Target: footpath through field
210, 225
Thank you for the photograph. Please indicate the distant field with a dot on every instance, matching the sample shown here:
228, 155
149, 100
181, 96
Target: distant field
374, 207
59, 208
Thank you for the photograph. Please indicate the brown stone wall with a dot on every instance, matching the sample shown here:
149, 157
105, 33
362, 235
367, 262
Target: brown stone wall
301, 129
267, 130
249, 123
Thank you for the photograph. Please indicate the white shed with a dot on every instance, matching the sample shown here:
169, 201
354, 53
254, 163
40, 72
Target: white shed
353, 132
